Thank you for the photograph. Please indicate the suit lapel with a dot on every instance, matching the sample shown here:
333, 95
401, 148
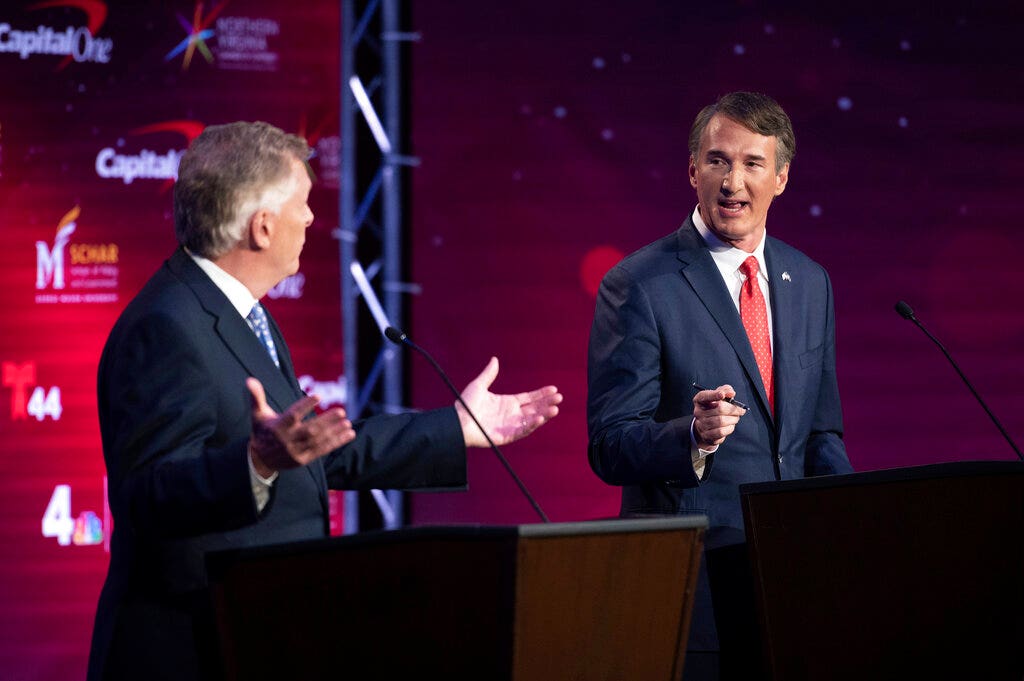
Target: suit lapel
785, 314
280, 385
235, 333
703, 275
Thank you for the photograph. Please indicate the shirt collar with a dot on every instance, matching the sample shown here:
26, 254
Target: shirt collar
726, 256
237, 293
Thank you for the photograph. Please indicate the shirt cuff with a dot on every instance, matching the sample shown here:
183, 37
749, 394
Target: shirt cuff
260, 485
698, 455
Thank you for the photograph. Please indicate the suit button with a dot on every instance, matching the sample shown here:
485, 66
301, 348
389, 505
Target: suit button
780, 459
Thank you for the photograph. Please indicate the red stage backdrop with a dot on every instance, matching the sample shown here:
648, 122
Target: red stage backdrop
100, 99
553, 140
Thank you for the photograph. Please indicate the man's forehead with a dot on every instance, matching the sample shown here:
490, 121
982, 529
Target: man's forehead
726, 135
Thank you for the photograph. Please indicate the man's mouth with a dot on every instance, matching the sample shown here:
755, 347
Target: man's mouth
731, 207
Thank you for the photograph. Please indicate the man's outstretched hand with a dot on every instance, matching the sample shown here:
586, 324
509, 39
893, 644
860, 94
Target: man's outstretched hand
507, 418
288, 439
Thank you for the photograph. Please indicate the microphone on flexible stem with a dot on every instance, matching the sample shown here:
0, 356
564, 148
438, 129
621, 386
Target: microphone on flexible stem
907, 313
400, 338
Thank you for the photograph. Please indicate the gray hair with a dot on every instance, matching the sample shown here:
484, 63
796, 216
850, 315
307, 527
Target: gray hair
756, 112
228, 173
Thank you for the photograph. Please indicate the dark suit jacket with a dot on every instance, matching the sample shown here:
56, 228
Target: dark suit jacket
175, 419
664, 320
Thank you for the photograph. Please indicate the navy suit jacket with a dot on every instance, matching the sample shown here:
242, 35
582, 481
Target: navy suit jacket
175, 419
664, 320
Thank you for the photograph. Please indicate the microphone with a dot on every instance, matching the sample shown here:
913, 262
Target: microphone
907, 312
400, 338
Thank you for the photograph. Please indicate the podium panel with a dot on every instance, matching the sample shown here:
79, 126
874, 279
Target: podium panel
896, 574
593, 600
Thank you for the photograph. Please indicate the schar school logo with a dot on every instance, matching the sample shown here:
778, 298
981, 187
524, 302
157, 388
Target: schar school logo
75, 272
78, 43
147, 164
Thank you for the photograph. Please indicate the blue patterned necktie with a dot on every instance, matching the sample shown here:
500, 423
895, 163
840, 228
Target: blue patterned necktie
258, 318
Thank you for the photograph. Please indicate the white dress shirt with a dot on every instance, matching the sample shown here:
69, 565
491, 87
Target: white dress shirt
242, 300
728, 260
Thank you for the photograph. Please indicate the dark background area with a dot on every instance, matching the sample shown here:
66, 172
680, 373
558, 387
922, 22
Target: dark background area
553, 137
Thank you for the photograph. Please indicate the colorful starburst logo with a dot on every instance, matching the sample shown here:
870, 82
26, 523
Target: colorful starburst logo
197, 31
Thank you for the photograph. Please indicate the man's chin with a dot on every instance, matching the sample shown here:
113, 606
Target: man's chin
735, 231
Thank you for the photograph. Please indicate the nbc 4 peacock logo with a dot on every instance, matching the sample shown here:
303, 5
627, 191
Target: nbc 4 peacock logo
71, 272
77, 43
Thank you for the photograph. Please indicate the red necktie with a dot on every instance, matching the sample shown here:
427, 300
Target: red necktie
754, 314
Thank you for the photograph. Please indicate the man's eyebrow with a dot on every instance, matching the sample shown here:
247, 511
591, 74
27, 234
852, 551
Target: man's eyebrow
718, 153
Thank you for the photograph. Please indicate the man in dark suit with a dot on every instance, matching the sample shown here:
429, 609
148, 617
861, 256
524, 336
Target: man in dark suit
717, 303
208, 440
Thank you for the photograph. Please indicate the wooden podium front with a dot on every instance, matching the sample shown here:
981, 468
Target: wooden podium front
911, 573
592, 600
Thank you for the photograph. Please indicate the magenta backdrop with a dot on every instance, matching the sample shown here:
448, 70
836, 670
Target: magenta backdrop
553, 139
89, 142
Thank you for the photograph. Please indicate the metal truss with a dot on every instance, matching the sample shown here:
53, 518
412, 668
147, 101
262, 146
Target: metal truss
372, 221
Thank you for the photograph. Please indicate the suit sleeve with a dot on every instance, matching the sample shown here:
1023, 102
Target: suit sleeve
628, 445
175, 467
403, 451
825, 453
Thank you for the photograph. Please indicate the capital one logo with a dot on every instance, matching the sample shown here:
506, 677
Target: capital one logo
50, 260
80, 44
148, 164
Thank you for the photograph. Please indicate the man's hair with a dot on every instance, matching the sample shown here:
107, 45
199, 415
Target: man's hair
756, 112
229, 173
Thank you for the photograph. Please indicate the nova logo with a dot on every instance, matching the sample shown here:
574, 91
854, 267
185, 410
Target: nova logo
196, 34
147, 164
89, 269
74, 43
243, 43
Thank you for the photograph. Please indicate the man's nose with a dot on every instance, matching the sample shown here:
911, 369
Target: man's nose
732, 182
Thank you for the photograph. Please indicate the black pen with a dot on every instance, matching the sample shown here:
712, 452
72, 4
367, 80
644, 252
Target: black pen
730, 400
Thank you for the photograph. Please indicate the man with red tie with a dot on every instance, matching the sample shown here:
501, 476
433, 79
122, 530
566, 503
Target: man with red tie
717, 303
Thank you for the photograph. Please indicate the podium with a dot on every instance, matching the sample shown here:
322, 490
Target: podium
592, 600
907, 573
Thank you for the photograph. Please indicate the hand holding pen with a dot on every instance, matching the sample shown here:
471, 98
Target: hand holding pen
730, 400
715, 415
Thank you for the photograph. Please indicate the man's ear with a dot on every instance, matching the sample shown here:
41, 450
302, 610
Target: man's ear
261, 229
781, 180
